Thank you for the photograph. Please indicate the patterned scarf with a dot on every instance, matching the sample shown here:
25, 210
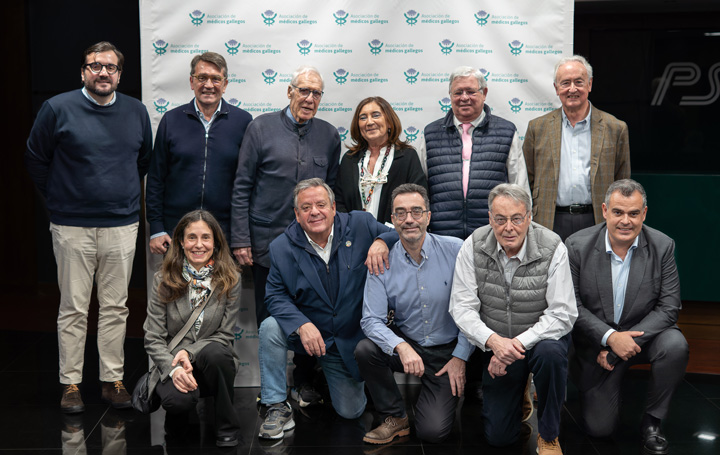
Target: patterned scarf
199, 288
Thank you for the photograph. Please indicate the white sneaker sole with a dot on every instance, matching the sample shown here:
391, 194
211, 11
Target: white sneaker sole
289, 425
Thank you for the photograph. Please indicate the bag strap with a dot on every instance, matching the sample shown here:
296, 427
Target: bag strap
186, 328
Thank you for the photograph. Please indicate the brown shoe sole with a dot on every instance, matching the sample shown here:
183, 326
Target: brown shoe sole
399, 434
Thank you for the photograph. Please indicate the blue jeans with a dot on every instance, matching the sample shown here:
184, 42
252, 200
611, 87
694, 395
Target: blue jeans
347, 394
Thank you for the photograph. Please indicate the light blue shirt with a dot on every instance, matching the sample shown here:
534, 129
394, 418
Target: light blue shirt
87, 95
419, 294
574, 176
201, 116
620, 272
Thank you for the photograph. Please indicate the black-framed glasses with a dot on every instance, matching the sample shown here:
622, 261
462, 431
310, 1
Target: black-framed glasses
97, 67
517, 220
401, 214
203, 78
305, 92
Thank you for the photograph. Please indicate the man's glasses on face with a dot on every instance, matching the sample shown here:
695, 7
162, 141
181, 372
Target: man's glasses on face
401, 214
517, 220
97, 67
203, 78
305, 92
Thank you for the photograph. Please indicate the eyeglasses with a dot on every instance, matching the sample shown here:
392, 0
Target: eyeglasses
517, 220
203, 78
470, 93
401, 214
579, 83
97, 67
305, 92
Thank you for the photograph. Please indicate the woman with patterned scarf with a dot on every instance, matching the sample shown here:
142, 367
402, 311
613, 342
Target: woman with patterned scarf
197, 267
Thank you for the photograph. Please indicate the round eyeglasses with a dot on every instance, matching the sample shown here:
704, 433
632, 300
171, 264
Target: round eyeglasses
97, 67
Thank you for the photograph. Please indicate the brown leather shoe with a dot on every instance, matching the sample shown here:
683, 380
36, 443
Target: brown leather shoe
388, 430
71, 401
548, 447
116, 394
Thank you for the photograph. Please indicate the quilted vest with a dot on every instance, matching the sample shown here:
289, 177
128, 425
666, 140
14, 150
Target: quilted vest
452, 213
511, 310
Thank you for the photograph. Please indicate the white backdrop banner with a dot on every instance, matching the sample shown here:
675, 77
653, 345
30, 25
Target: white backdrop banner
401, 50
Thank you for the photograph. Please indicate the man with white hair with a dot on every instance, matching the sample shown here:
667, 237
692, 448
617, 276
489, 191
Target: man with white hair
574, 153
512, 296
469, 152
278, 151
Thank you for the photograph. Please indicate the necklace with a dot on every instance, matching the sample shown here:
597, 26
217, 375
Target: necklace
366, 199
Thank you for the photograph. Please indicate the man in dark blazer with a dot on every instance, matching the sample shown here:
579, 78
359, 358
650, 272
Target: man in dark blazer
574, 153
314, 295
628, 297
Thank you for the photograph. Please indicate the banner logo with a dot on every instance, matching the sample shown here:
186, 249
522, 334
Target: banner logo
235, 102
481, 17
161, 105
375, 46
239, 333
232, 47
411, 17
197, 17
160, 47
446, 46
411, 133
515, 105
269, 76
687, 74
343, 132
485, 73
269, 17
341, 76
304, 47
411, 75
445, 104
516, 47
340, 17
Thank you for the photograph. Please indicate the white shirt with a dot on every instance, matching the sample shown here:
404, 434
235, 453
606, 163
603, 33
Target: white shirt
556, 321
515, 164
324, 253
375, 178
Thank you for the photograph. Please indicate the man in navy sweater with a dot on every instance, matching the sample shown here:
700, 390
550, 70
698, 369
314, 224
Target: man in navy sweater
87, 153
196, 154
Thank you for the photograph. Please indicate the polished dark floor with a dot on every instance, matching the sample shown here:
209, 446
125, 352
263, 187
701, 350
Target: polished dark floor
31, 421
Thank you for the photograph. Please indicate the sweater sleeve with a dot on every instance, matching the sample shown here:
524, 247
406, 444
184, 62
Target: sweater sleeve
41, 147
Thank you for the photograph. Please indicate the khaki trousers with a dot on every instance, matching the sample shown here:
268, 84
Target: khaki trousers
84, 255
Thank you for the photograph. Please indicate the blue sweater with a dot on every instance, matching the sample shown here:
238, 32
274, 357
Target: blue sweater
191, 169
88, 160
277, 154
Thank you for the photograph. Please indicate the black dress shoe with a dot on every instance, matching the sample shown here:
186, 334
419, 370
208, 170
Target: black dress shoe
654, 442
226, 441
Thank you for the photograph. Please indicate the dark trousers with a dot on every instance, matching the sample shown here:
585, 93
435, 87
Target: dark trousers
304, 364
565, 224
214, 371
600, 390
502, 406
435, 407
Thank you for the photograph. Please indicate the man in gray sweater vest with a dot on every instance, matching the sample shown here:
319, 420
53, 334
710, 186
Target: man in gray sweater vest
513, 297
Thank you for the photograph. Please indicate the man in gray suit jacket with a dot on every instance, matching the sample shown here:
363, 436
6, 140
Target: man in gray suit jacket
628, 297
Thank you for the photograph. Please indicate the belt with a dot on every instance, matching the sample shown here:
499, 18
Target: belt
575, 209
